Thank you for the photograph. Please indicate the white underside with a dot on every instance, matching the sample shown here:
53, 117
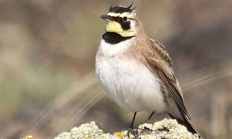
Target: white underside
129, 84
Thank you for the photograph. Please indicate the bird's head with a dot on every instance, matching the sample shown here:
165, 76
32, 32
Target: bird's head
121, 20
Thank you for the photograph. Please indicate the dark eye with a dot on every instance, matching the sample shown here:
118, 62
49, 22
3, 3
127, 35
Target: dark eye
124, 19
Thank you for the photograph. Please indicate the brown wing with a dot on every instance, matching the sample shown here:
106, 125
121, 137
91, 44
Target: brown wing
159, 62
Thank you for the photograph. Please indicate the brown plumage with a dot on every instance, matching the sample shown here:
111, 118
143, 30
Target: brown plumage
147, 82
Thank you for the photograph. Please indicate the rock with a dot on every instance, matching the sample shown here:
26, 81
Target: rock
165, 129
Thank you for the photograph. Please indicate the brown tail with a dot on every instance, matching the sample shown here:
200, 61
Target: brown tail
187, 123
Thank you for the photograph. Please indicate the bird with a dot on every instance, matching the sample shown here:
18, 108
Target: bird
135, 71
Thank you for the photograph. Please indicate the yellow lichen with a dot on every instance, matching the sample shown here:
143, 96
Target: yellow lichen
119, 134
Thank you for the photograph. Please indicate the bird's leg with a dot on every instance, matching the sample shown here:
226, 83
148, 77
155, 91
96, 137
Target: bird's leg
133, 120
130, 130
150, 116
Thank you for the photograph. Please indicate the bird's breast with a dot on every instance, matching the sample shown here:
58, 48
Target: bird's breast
129, 83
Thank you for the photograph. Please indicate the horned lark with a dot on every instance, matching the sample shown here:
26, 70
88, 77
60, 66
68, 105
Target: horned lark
136, 71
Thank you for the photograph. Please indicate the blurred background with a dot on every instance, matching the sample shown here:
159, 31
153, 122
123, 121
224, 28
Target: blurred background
47, 56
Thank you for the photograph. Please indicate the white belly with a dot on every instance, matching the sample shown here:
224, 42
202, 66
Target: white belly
130, 85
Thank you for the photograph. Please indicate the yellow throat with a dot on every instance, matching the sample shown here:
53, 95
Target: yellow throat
112, 26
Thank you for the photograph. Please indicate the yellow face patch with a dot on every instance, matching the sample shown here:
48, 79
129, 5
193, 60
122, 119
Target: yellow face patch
112, 26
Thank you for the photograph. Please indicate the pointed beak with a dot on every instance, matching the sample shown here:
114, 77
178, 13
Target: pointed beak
107, 18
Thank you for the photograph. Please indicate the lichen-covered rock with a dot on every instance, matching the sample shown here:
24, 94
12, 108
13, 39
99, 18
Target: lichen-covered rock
86, 131
165, 129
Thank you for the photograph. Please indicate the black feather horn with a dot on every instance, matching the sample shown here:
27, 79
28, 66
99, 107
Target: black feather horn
130, 6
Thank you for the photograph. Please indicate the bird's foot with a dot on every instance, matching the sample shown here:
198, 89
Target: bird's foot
132, 132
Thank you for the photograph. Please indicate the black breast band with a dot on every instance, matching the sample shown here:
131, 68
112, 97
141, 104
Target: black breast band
114, 38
